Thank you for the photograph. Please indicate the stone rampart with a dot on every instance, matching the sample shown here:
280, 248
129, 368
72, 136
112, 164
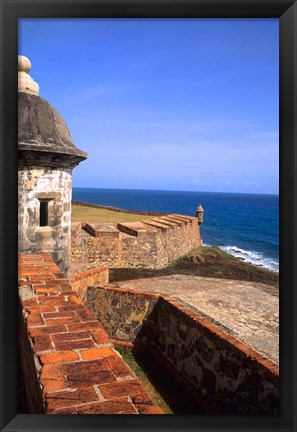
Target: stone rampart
225, 375
81, 281
152, 243
67, 359
97, 245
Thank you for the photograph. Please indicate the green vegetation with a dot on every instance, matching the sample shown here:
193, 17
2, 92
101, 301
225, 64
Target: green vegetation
93, 214
164, 391
208, 262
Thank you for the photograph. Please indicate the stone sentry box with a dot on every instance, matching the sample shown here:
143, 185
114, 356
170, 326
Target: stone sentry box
46, 158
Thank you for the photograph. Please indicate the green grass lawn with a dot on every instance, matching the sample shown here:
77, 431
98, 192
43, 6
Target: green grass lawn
164, 391
92, 214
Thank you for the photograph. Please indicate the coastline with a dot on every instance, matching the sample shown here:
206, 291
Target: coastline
226, 225
210, 262
250, 257
218, 261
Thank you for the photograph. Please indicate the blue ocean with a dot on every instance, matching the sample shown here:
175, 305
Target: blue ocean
243, 225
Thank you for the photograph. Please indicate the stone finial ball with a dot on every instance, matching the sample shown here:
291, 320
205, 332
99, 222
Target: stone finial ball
24, 64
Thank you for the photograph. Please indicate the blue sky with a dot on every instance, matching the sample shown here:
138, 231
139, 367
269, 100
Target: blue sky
172, 104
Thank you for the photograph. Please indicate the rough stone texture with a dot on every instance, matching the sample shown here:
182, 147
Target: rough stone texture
246, 310
96, 244
225, 375
81, 281
141, 246
148, 244
121, 312
66, 356
34, 184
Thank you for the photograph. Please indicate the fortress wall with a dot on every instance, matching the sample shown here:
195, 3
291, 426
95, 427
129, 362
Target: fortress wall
100, 251
67, 359
146, 250
81, 281
225, 375
122, 313
148, 244
171, 239
183, 237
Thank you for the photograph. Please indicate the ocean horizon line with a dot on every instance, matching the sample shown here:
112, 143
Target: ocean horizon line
174, 190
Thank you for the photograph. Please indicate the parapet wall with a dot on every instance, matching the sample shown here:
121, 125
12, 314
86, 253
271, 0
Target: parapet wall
81, 281
152, 243
224, 375
67, 360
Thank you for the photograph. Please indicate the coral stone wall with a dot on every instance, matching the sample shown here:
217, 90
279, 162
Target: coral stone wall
152, 243
181, 237
224, 374
145, 250
54, 186
97, 244
81, 281
122, 313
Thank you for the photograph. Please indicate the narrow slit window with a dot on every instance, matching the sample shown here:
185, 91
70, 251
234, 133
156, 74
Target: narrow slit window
43, 221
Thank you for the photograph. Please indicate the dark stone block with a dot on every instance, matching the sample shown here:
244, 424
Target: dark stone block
205, 352
229, 368
208, 382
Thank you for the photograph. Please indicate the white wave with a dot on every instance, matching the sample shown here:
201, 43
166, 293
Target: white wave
252, 257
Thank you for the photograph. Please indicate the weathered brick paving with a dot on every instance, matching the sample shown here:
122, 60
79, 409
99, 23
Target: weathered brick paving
77, 366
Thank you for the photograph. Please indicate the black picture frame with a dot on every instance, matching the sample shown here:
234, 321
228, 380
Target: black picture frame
11, 11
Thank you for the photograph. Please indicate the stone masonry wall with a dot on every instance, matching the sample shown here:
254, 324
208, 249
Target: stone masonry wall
145, 250
67, 359
152, 243
55, 186
81, 281
122, 313
97, 244
225, 375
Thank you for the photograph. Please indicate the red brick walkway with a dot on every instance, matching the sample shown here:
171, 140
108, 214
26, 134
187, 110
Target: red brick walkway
79, 370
